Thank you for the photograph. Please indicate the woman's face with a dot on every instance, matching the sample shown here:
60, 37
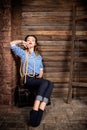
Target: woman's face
31, 42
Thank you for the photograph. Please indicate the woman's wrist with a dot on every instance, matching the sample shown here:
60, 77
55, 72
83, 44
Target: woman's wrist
22, 41
15, 42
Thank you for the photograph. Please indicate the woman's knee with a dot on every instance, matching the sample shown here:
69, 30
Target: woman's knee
44, 84
43, 87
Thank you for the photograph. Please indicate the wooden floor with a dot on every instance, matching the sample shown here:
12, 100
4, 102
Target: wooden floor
58, 116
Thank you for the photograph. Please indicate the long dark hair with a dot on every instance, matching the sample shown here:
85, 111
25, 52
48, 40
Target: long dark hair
36, 46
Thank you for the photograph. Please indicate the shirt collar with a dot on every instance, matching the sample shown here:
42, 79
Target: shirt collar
33, 54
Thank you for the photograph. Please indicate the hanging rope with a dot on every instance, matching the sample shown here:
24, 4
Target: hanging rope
24, 68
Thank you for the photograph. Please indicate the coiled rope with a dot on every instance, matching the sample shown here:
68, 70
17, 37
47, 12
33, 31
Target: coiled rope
24, 68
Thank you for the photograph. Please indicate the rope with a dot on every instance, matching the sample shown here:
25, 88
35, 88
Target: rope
24, 68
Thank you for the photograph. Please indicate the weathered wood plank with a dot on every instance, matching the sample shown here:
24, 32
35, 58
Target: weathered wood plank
65, 26
46, 21
60, 85
58, 80
47, 14
62, 80
42, 9
64, 53
59, 26
78, 33
59, 90
56, 58
47, 8
62, 74
56, 69
54, 48
56, 74
80, 92
58, 43
49, 38
57, 64
53, 32
46, 2
47, 18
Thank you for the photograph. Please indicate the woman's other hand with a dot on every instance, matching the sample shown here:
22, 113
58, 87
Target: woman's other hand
41, 74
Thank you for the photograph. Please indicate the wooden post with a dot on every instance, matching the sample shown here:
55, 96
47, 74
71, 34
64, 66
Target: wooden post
72, 56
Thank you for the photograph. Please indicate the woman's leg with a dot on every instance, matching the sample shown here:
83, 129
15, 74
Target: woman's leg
41, 85
36, 105
46, 96
48, 92
44, 88
40, 95
42, 105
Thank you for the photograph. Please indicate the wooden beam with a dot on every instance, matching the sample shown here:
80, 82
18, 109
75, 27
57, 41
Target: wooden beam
81, 17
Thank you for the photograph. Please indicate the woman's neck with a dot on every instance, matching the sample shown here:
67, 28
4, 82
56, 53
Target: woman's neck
30, 50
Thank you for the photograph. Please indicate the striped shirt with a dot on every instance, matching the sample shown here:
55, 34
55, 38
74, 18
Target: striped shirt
32, 59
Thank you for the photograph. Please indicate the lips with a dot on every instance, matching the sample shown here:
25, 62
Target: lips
30, 42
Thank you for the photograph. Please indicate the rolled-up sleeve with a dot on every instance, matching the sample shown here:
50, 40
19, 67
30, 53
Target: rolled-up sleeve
18, 51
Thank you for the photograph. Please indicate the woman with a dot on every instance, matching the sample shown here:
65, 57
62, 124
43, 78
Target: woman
33, 72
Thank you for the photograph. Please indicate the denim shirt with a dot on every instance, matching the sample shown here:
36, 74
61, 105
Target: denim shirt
32, 59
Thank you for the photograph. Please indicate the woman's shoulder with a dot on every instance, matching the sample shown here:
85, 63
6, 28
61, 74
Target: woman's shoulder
39, 56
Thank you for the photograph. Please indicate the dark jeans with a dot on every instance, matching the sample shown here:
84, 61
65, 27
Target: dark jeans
42, 86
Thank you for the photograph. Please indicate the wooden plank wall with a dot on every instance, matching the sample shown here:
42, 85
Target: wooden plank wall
51, 22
